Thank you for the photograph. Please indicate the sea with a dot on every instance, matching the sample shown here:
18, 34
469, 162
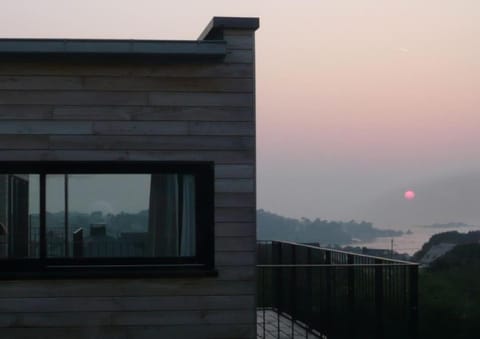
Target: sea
412, 241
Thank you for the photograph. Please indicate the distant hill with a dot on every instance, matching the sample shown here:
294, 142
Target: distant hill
465, 255
448, 225
453, 237
449, 294
272, 226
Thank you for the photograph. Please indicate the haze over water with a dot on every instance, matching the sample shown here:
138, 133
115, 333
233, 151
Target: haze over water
411, 243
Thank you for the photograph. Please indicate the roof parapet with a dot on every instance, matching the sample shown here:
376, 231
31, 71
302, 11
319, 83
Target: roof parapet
215, 28
83, 49
208, 47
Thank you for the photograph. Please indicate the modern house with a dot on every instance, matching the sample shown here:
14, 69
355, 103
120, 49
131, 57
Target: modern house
127, 186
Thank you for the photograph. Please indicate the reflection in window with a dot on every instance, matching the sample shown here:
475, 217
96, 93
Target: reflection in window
120, 215
19, 216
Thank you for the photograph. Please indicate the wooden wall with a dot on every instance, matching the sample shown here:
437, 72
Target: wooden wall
113, 111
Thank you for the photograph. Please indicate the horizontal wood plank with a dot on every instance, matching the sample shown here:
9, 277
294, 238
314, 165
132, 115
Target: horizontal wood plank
93, 318
29, 127
235, 244
40, 82
141, 142
123, 304
235, 199
174, 128
170, 84
97, 83
215, 70
157, 113
235, 229
200, 99
220, 157
221, 128
235, 185
204, 331
141, 128
217, 331
26, 112
234, 171
228, 258
127, 113
125, 98
235, 214
26, 141
123, 128
73, 98
240, 56
124, 287
237, 273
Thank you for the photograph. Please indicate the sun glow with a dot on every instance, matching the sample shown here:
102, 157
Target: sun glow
409, 195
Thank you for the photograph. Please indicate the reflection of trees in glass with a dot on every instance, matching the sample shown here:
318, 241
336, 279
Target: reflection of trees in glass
165, 227
115, 223
104, 235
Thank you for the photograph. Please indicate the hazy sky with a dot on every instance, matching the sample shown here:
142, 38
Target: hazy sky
356, 100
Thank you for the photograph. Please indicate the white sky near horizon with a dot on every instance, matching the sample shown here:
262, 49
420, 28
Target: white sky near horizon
357, 101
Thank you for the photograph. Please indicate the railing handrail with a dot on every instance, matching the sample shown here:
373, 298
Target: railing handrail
329, 265
404, 262
325, 289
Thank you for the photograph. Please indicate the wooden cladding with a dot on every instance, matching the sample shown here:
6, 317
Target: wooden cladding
119, 111
82, 83
217, 70
125, 113
125, 98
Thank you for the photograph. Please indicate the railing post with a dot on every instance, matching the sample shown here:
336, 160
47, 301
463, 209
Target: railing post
328, 283
278, 273
263, 300
309, 289
413, 321
351, 296
379, 298
293, 289
316, 301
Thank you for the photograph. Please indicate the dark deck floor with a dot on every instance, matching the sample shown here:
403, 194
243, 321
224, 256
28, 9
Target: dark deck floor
280, 327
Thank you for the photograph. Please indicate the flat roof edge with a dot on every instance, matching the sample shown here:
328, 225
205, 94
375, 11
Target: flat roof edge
32, 47
216, 26
210, 44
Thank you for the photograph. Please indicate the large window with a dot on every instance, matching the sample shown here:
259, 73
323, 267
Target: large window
83, 218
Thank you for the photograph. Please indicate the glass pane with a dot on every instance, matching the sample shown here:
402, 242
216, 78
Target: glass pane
19, 216
57, 246
121, 215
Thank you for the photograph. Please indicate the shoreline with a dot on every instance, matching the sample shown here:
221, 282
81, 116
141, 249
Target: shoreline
411, 243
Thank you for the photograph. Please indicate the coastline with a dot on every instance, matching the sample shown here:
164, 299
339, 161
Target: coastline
410, 243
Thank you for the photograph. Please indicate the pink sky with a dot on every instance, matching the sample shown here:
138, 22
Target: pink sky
356, 100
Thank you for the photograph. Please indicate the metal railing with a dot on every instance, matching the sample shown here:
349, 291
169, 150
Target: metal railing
335, 294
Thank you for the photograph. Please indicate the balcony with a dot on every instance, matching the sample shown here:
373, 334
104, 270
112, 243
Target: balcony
311, 292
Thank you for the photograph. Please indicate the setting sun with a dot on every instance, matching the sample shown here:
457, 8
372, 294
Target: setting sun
409, 195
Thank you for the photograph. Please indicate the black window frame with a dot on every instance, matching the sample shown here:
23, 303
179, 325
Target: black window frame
43, 267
